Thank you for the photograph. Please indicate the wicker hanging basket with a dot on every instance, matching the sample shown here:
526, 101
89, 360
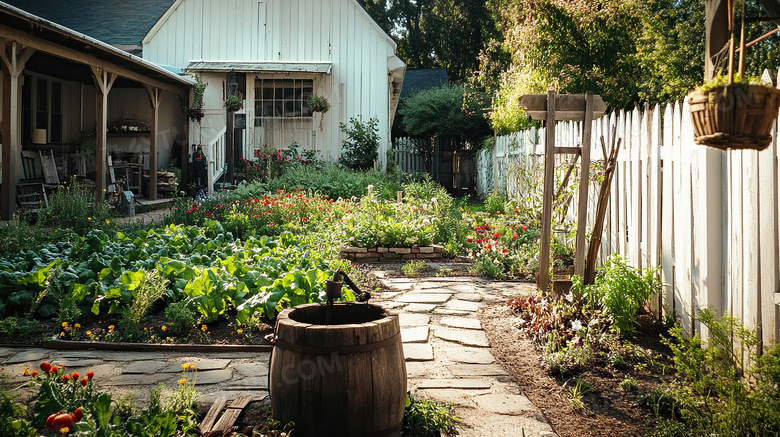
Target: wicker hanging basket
734, 117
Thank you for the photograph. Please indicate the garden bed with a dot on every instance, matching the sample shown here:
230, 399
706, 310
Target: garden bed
389, 254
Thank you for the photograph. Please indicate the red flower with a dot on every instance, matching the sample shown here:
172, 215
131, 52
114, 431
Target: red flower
304, 218
469, 239
34, 373
497, 235
65, 378
46, 367
75, 375
53, 370
90, 375
514, 236
84, 381
506, 250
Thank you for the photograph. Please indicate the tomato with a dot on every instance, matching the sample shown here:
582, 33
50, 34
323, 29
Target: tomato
78, 414
64, 420
50, 420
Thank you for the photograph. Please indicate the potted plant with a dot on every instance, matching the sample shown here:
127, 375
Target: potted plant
234, 103
734, 112
195, 111
319, 104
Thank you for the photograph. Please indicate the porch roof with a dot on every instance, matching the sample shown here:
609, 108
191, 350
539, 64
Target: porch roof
47, 36
261, 67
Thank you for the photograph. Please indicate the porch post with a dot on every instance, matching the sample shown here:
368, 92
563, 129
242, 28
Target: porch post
103, 82
154, 101
14, 57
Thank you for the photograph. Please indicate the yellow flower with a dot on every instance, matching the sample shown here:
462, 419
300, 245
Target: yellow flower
64, 430
204, 328
164, 328
89, 332
108, 222
24, 372
64, 324
110, 327
240, 331
89, 218
77, 326
182, 381
186, 366
62, 334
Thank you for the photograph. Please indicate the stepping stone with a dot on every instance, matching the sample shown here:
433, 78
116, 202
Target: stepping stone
429, 287
417, 334
424, 298
436, 290
462, 305
419, 308
33, 358
392, 305
469, 355
67, 356
418, 352
135, 379
463, 288
461, 322
251, 369
447, 395
76, 362
200, 363
415, 369
413, 319
449, 312
463, 336
397, 285
252, 381
471, 297
462, 384
145, 366
512, 405
476, 370
213, 376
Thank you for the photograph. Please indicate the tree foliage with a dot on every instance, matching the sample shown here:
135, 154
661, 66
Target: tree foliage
453, 111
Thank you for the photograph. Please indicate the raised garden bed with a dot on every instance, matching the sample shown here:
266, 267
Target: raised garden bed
389, 254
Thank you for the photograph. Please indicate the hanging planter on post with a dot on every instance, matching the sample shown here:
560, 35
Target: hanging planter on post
319, 104
730, 112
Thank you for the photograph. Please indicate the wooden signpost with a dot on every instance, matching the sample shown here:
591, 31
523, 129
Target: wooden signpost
550, 108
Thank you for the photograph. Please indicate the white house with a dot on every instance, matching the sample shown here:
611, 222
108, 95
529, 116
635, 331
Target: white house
276, 54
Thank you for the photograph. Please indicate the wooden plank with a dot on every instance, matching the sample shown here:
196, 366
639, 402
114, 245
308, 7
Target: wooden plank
568, 106
667, 212
232, 411
582, 209
751, 292
549, 181
211, 417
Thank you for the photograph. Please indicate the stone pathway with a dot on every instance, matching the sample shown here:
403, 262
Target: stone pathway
448, 359
448, 356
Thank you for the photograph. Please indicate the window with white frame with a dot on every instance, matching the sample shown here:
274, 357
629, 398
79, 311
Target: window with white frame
283, 98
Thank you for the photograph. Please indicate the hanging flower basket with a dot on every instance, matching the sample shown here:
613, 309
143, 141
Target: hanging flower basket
734, 116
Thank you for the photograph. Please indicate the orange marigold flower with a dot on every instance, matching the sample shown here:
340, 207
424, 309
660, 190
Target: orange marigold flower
65, 378
182, 381
84, 381
45, 366
53, 370
34, 373
90, 375
75, 375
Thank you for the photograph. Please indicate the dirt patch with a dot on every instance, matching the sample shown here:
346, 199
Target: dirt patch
611, 411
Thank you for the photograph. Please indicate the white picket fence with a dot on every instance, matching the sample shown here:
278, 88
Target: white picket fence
709, 219
406, 158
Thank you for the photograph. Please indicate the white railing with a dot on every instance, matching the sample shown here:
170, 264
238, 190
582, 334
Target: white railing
406, 156
215, 153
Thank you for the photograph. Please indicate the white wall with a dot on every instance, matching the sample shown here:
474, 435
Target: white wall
336, 31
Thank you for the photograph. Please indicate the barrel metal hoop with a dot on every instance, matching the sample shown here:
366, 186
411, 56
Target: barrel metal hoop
340, 349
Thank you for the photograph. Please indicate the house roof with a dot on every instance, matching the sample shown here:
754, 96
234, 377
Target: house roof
116, 22
66, 43
418, 79
262, 67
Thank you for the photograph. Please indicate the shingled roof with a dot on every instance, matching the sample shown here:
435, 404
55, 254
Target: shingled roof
115, 22
418, 79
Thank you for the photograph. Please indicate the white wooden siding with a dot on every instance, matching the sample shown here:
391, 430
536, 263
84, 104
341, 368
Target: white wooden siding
336, 31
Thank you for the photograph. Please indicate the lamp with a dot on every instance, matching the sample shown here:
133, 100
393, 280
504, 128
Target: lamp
39, 136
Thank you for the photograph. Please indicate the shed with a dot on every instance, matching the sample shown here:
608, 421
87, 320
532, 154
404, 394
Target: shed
274, 55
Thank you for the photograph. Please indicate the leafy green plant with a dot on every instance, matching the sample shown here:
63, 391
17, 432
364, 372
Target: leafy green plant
426, 418
576, 394
234, 103
360, 149
495, 203
725, 388
17, 326
74, 206
621, 290
629, 384
148, 289
181, 317
318, 104
414, 268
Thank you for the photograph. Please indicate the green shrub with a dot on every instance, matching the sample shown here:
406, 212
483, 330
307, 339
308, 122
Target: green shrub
426, 418
74, 206
18, 235
360, 149
621, 290
181, 317
495, 203
414, 268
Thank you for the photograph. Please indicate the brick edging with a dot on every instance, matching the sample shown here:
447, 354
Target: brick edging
388, 254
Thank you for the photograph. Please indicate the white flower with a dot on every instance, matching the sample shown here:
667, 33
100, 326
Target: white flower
426, 222
370, 187
434, 200
576, 325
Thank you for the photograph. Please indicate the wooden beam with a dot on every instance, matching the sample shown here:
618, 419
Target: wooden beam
154, 101
45, 46
543, 281
14, 57
582, 207
568, 150
103, 82
567, 106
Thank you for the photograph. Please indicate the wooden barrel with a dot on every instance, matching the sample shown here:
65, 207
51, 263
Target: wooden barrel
346, 378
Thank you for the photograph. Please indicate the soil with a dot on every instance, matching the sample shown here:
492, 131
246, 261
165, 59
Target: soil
610, 411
